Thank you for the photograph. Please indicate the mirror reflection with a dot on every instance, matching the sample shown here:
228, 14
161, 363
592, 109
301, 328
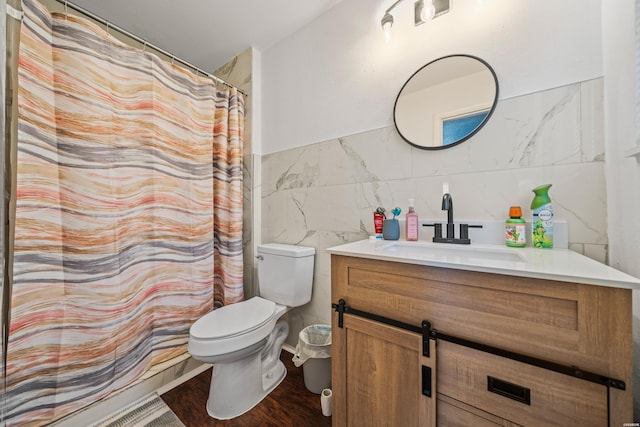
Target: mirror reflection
446, 102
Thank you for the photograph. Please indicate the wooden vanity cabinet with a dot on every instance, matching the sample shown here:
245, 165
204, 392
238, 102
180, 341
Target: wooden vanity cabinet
378, 369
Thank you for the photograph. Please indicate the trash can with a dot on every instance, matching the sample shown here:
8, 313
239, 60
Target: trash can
313, 352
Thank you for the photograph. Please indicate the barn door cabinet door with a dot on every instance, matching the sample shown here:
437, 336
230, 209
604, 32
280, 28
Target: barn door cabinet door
380, 376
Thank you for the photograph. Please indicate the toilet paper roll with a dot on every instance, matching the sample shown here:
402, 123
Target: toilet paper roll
325, 402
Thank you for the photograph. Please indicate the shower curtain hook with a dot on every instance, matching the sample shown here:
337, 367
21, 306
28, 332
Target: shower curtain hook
144, 46
107, 27
65, 10
173, 58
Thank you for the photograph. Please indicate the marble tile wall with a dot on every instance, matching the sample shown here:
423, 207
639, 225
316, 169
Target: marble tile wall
324, 194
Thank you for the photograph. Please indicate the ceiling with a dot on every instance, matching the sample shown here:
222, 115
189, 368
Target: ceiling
208, 33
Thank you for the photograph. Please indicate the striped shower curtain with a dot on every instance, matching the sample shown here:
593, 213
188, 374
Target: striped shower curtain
128, 215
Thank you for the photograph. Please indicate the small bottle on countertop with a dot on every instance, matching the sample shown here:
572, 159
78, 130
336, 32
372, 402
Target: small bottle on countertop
378, 218
515, 229
411, 231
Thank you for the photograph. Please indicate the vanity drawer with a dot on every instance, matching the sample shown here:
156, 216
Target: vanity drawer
452, 413
518, 392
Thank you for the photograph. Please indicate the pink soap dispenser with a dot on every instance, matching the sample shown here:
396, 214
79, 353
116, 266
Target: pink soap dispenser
411, 231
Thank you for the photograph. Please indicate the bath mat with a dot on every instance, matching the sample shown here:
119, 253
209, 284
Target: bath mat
150, 411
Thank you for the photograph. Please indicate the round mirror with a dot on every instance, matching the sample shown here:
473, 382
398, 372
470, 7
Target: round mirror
446, 102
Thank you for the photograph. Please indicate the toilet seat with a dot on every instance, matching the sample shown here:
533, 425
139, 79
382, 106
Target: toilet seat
232, 327
234, 319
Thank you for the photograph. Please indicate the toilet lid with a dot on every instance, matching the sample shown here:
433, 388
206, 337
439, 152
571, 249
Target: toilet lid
234, 319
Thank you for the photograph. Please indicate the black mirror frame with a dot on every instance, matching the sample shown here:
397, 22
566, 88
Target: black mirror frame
461, 140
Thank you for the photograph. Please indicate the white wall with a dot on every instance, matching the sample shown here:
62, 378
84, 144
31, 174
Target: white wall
338, 76
623, 173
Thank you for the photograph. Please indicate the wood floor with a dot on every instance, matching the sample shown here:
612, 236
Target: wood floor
290, 404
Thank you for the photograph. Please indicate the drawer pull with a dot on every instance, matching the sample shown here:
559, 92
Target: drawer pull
510, 390
426, 381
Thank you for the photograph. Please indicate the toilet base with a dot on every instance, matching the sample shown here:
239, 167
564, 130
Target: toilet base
227, 404
237, 386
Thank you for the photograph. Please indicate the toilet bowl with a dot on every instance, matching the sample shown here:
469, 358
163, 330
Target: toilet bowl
243, 340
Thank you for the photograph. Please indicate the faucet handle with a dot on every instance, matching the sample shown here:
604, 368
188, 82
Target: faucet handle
437, 229
464, 230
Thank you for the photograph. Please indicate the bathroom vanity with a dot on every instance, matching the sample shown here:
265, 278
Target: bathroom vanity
429, 334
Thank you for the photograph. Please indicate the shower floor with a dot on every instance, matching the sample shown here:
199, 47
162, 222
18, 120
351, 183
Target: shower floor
290, 404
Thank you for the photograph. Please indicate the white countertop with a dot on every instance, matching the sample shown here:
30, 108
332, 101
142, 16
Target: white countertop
551, 264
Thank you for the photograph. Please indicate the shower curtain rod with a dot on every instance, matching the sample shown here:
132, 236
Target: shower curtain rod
145, 42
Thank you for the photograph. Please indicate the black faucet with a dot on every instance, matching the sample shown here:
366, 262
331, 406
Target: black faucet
447, 205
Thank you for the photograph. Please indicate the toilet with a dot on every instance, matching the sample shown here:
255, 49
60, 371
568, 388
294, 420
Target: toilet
243, 340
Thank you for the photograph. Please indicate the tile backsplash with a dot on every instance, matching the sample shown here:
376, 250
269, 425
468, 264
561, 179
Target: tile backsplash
325, 193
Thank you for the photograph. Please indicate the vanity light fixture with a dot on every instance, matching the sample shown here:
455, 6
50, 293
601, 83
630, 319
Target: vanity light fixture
387, 23
424, 10
387, 20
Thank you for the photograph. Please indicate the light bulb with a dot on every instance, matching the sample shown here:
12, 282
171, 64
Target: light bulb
387, 23
428, 11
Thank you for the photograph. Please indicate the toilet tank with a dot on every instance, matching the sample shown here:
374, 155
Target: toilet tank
285, 273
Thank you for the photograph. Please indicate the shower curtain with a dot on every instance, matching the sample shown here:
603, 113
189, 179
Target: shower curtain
128, 222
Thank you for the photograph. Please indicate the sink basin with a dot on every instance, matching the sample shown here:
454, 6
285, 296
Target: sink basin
452, 253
